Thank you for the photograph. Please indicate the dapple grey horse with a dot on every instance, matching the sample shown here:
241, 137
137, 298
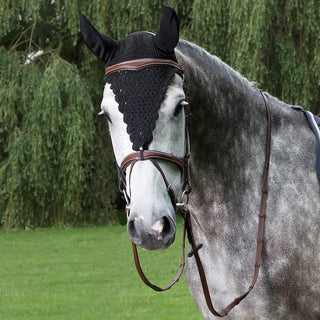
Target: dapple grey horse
228, 138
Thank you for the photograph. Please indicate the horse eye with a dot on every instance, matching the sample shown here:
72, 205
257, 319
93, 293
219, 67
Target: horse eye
108, 117
106, 114
178, 108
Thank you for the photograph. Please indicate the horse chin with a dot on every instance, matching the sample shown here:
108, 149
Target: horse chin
157, 236
153, 244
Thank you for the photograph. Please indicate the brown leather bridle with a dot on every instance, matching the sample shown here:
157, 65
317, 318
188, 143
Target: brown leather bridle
153, 155
183, 164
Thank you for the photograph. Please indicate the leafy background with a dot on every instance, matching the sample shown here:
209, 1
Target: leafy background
56, 163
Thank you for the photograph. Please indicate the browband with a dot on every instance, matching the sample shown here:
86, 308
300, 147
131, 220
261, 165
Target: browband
138, 64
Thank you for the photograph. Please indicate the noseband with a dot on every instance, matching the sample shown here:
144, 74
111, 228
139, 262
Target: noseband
153, 156
183, 164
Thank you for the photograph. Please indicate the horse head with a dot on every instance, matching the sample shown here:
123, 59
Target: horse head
144, 102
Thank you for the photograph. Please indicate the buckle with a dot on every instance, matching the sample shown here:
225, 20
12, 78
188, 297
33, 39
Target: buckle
184, 196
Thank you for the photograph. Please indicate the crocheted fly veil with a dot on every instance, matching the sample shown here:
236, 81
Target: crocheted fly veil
139, 95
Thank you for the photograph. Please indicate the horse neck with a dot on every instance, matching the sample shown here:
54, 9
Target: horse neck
229, 127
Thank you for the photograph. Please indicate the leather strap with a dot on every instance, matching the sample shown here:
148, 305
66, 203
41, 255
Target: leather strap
138, 64
150, 154
262, 216
178, 275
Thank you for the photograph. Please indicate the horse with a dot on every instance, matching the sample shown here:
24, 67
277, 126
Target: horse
228, 152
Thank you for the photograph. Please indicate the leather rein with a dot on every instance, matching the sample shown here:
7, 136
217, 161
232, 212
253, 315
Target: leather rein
183, 164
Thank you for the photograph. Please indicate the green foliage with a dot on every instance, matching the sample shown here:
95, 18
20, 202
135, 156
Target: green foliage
49, 129
273, 42
56, 162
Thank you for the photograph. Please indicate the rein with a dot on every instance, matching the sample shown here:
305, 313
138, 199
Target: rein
154, 156
262, 217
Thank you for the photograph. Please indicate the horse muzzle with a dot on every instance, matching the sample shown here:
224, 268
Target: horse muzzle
156, 234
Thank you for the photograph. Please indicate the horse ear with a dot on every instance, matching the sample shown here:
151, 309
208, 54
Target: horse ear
102, 46
167, 36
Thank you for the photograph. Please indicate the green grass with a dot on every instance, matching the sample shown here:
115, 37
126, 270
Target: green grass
87, 273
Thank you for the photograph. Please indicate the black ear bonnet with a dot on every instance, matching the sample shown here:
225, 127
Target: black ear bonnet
137, 45
138, 93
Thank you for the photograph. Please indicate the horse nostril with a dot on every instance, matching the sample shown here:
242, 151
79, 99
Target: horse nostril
132, 230
168, 231
166, 226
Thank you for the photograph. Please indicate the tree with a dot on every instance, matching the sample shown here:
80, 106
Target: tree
273, 42
56, 162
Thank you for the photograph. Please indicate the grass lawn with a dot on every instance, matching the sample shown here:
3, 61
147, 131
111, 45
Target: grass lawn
87, 273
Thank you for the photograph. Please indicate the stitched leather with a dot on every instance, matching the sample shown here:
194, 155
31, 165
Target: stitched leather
138, 64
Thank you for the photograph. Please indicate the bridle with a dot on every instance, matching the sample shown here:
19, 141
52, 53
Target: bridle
153, 155
183, 163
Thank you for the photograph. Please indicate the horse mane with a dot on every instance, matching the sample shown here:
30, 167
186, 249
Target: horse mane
210, 64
